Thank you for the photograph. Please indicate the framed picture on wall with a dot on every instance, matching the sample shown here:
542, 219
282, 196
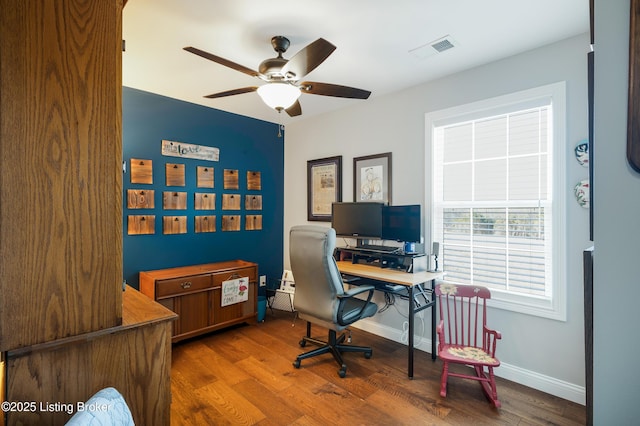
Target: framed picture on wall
372, 178
324, 187
633, 123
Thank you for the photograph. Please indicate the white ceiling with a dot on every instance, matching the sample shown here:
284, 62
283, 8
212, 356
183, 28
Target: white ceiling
373, 39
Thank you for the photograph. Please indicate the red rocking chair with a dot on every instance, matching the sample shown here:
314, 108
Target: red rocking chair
464, 338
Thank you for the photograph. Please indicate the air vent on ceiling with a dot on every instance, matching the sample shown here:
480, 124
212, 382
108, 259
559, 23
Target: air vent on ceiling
442, 45
434, 47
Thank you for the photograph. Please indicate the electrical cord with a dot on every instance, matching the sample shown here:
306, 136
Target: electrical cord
404, 337
390, 300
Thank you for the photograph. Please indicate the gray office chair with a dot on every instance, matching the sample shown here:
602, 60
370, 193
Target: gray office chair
320, 295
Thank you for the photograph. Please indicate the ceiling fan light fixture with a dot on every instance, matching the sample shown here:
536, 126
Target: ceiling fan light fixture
279, 95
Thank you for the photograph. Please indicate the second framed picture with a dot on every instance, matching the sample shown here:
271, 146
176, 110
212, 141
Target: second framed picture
372, 178
324, 187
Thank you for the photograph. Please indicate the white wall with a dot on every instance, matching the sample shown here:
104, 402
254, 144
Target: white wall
616, 232
542, 353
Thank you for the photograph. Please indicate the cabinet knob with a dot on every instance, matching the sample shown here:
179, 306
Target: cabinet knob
186, 284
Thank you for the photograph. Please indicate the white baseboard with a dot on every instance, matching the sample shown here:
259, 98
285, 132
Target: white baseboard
541, 382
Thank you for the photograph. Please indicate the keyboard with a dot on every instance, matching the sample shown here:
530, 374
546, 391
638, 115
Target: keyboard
349, 278
374, 248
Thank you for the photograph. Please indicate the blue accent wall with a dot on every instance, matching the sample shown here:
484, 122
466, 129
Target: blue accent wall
245, 144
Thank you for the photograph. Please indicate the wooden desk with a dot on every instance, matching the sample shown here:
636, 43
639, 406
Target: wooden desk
415, 286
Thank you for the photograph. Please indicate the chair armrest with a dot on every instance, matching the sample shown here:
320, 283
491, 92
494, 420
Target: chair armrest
490, 339
357, 290
494, 333
351, 293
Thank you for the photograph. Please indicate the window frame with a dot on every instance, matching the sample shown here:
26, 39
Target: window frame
553, 306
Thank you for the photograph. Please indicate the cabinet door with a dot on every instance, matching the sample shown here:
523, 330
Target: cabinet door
235, 311
193, 312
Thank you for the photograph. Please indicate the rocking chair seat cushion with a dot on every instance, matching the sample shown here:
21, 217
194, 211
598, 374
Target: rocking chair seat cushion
467, 355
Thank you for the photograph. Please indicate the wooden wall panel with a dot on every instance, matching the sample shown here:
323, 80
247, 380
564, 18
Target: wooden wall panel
253, 222
205, 224
204, 177
231, 222
172, 200
231, 201
174, 225
141, 199
204, 201
174, 174
253, 202
141, 224
141, 171
254, 182
60, 169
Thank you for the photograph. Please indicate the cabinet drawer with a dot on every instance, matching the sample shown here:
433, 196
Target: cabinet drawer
181, 285
236, 273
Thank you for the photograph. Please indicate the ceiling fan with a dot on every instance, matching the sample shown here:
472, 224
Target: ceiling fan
282, 76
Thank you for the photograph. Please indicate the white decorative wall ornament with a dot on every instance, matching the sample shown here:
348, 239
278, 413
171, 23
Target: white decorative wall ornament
581, 191
582, 152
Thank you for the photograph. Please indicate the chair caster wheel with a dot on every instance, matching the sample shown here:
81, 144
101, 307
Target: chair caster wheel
343, 371
303, 343
368, 355
296, 363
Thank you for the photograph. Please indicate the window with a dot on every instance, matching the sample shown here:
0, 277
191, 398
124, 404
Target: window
498, 197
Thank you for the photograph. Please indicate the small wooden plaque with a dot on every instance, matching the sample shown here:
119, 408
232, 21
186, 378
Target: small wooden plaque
253, 181
205, 224
204, 177
231, 179
141, 171
230, 201
140, 198
174, 225
253, 222
204, 201
253, 202
174, 174
141, 224
231, 223
174, 200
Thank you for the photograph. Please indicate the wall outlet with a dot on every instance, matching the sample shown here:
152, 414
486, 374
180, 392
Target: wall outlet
263, 280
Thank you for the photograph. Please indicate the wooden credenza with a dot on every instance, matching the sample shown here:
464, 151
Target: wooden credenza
195, 294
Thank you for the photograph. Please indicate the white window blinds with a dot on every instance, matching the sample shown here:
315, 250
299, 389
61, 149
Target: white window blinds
497, 191
490, 200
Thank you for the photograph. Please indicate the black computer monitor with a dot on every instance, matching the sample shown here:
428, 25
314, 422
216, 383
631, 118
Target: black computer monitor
357, 220
402, 223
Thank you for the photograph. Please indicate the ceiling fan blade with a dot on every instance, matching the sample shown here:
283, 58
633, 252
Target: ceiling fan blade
222, 61
306, 60
294, 110
327, 89
232, 92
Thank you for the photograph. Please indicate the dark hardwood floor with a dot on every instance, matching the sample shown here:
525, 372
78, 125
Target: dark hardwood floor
244, 376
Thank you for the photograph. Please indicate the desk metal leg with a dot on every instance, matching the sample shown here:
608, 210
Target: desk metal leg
410, 340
